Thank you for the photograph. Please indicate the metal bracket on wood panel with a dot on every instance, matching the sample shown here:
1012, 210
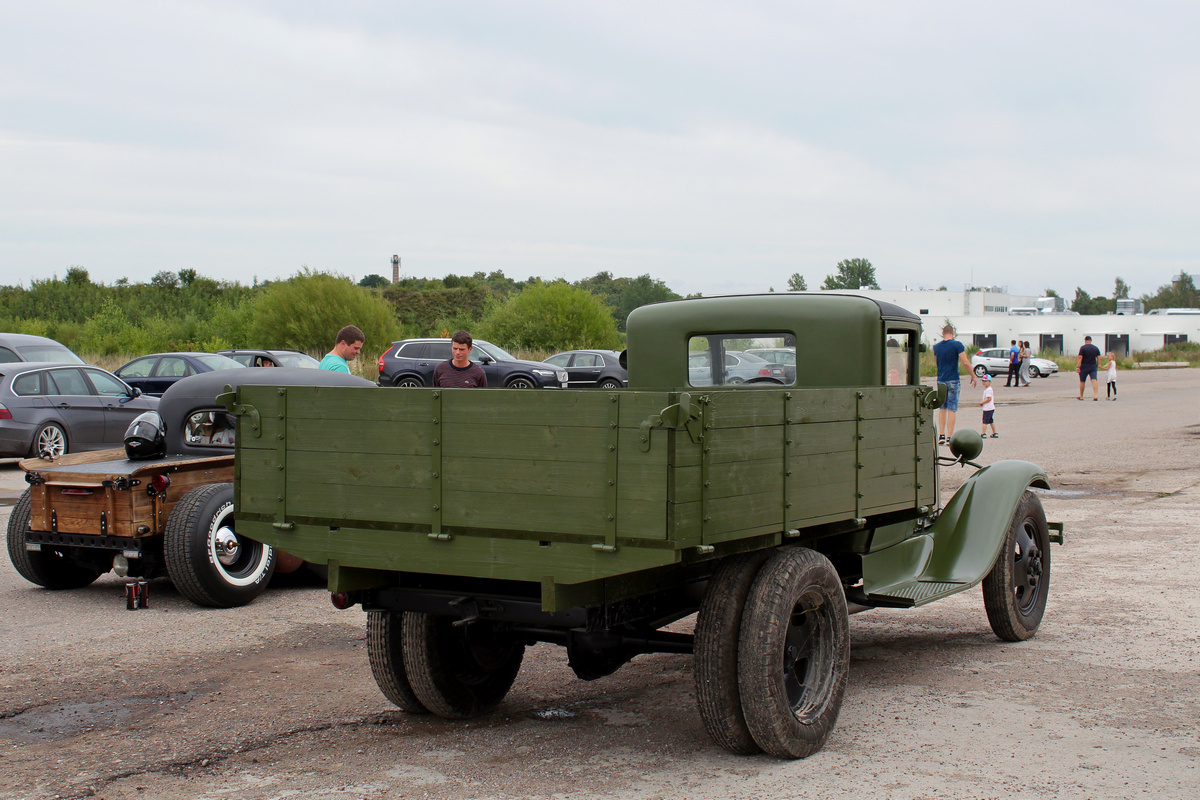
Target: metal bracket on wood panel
611, 477
684, 414
228, 398
858, 462
787, 456
435, 468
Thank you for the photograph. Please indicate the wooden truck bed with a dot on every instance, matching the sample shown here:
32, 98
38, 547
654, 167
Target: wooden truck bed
103, 494
567, 487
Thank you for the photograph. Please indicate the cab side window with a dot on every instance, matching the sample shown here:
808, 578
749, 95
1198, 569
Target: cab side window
8, 356
749, 358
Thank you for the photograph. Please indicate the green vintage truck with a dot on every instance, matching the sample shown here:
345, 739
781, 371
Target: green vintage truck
469, 525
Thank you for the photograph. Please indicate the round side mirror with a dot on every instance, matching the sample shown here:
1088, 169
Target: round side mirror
966, 444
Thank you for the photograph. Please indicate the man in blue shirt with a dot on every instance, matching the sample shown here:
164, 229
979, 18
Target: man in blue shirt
349, 342
949, 354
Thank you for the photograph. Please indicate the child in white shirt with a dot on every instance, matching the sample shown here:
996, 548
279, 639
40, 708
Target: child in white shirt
1111, 391
989, 406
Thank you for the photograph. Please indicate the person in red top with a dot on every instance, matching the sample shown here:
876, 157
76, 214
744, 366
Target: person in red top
460, 372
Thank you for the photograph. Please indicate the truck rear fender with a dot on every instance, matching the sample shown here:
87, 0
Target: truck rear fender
959, 549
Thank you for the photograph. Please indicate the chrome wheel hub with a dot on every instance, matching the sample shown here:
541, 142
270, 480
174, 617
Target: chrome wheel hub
227, 546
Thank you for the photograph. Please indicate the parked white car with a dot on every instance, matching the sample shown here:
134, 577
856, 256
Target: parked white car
995, 361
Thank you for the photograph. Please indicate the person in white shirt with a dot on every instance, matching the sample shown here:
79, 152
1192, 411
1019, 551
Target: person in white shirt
989, 406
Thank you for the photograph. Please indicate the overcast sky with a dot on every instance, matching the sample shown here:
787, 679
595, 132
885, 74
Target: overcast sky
719, 147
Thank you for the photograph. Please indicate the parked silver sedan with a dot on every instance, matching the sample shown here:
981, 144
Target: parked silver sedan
56, 408
995, 361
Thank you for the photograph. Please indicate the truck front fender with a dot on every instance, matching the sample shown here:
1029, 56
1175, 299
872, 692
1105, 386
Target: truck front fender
959, 549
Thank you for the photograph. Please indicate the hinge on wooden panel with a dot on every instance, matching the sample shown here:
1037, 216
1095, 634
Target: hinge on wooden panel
104, 523
684, 414
228, 398
54, 521
34, 479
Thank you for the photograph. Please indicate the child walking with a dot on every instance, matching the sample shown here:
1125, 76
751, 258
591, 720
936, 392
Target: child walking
989, 406
1111, 391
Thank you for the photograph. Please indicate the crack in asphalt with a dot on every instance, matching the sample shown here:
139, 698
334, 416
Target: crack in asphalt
204, 761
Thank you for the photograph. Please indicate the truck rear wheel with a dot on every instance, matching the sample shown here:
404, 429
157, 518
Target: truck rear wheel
385, 649
49, 568
1014, 592
460, 671
794, 653
716, 663
207, 561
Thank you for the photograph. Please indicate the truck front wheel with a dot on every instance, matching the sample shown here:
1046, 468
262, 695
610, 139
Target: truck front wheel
461, 671
48, 568
716, 662
207, 561
1014, 592
385, 649
794, 653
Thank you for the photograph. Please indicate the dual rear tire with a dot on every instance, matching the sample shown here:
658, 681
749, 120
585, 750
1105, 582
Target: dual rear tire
773, 653
425, 663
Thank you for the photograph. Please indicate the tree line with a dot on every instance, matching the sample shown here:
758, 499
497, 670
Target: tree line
187, 311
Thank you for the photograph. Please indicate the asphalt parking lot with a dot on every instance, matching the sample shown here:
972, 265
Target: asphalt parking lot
276, 700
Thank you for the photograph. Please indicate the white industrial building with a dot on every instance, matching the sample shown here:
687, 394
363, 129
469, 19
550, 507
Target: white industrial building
993, 318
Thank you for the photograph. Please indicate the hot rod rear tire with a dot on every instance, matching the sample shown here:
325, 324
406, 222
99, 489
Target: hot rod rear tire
48, 568
385, 649
794, 653
1015, 591
458, 672
207, 561
716, 664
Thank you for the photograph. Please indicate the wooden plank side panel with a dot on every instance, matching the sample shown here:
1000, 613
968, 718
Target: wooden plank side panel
340, 503
585, 409
732, 514
385, 405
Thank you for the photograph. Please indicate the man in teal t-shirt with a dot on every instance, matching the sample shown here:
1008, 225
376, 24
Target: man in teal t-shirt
349, 343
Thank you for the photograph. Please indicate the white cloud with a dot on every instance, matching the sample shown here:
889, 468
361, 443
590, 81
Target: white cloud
717, 146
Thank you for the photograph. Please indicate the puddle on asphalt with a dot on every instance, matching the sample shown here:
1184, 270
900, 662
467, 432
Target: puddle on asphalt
47, 723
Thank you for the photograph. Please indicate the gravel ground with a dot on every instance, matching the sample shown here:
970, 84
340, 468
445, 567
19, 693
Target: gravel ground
276, 700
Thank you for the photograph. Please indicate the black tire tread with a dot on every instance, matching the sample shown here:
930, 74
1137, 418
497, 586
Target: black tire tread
440, 676
385, 650
716, 663
768, 611
1005, 620
48, 571
178, 554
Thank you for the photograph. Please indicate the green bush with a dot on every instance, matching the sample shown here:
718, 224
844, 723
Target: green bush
551, 316
307, 311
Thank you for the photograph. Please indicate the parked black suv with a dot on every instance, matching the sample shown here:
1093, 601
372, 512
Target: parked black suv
411, 363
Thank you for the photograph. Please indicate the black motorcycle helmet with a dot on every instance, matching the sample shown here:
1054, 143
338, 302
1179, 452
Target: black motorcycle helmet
144, 437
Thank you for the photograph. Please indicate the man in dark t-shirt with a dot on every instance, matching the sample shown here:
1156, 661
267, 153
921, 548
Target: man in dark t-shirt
1085, 365
460, 372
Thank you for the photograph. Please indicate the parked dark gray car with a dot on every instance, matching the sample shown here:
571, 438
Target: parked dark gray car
587, 368
26, 347
410, 363
155, 373
60, 408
